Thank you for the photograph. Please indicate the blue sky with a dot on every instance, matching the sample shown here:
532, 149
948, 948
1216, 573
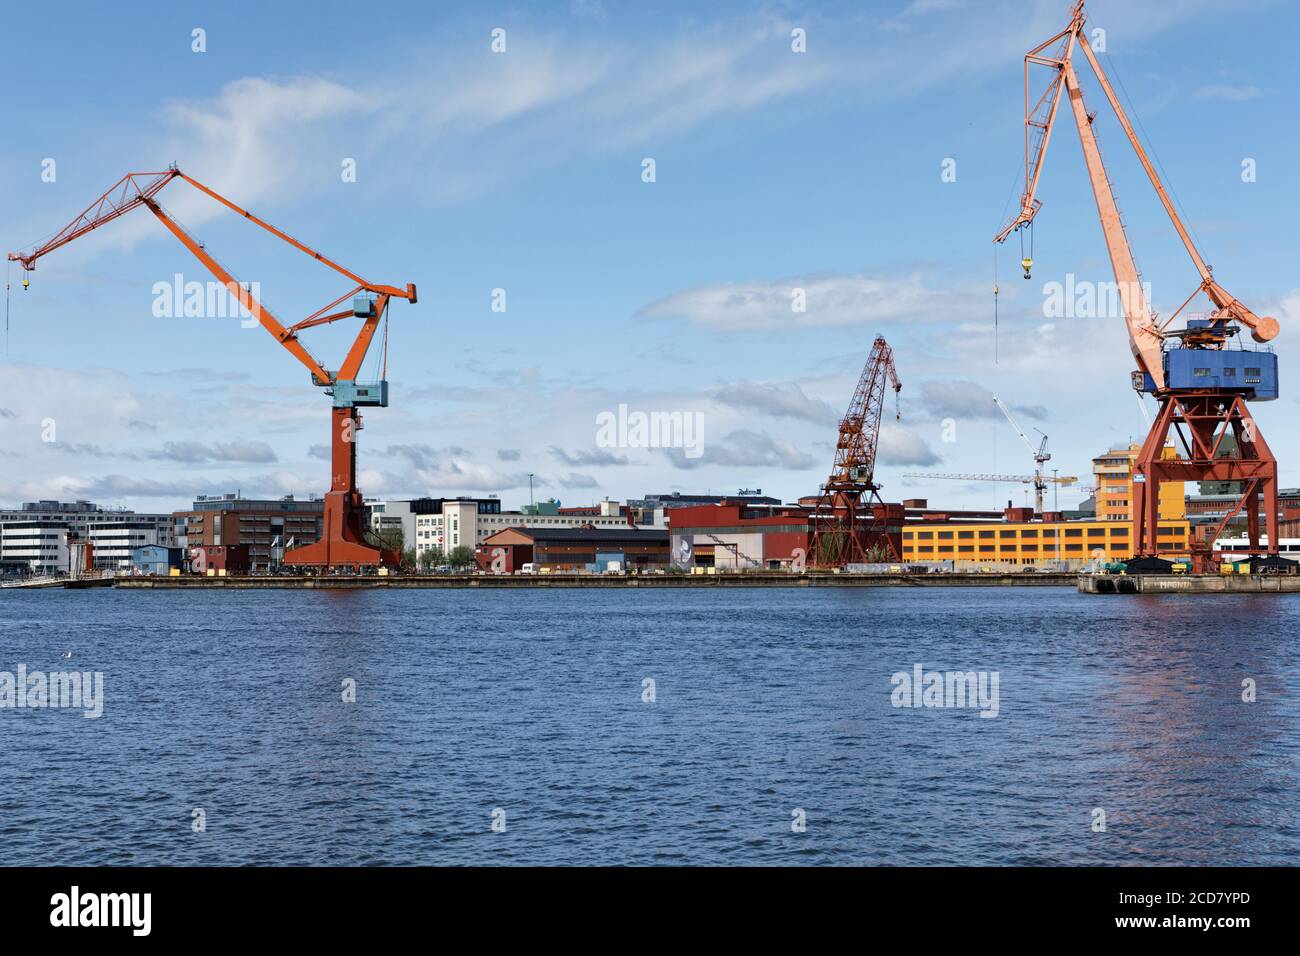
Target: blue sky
522, 171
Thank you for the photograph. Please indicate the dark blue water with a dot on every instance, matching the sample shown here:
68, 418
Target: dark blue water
767, 700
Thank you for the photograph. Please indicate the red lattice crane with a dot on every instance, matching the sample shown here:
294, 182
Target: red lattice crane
1202, 375
342, 542
849, 523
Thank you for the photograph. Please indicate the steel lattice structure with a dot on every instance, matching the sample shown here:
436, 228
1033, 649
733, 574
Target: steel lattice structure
848, 524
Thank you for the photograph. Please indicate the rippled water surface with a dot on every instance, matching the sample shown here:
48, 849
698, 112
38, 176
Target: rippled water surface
767, 700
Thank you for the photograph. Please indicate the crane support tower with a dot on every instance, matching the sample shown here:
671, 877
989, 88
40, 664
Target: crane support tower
850, 522
1201, 375
342, 543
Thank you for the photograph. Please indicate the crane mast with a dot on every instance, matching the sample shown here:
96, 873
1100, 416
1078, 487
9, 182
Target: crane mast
342, 543
1202, 386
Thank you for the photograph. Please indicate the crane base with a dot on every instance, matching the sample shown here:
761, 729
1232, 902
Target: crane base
341, 544
340, 553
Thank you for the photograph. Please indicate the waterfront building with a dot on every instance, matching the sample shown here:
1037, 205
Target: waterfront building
739, 536
444, 524
35, 538
156, 559
35, 547
1018, 540
260, 523
112, 542
561, 549
1112, 473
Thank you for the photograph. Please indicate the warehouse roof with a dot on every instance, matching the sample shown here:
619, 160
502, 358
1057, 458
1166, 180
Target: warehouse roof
644, 535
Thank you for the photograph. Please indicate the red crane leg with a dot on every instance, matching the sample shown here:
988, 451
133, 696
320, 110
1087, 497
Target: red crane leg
342, 536
1202, 419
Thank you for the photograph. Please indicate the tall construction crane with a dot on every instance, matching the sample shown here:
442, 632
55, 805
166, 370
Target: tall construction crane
1041, 455
849, 521
342, 543
1201, 385
1034, 479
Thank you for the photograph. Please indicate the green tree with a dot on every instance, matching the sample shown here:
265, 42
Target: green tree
461, 557
431, 558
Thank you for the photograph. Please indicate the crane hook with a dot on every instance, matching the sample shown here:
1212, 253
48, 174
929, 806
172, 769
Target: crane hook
1026, 264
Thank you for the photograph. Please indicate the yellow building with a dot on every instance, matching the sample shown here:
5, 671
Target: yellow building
1112, 474
975, 543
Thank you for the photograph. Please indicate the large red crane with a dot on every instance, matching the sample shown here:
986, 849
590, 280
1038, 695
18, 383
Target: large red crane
850, 521
1201, 383
342, 543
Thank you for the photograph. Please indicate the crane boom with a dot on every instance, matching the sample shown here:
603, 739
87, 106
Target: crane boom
1062, 480
1146, 335
1039, 453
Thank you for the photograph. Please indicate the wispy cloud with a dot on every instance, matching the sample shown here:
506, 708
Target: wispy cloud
967, 400
775, 399
745, 449
812, 300
596, 456
193, 452
1228, 92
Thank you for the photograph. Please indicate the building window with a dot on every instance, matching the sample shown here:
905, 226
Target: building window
1006, 534
965, 547
965, 534
986, 534
1029, 533
1201, 372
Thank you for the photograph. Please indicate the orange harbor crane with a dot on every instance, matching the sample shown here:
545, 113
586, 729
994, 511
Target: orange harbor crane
1202, 385
846, 529
342, 543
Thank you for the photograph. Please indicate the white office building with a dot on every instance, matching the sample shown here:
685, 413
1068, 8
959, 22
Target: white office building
34, 538
114, 541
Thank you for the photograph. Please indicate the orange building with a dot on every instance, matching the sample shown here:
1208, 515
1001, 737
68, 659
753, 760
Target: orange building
1112, 474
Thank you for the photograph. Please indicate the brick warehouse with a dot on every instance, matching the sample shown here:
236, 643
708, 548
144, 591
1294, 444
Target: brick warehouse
574, 549
733, 535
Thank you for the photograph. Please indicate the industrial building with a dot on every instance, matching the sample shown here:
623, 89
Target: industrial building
219, 559
738, 536
1020, 542
34, 539
113, 542
156, 559
444, 524
574, 549
1112, 473
264, 525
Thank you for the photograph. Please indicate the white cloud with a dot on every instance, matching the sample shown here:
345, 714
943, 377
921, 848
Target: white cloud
775, 399
1228, 92
831, 300
900, 446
